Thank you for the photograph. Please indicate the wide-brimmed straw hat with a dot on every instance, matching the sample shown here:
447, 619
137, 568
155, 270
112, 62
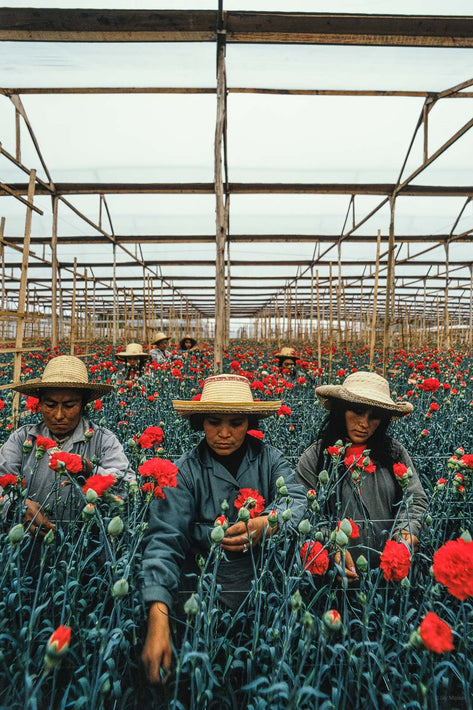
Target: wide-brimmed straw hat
132, 350
158, 337
187, 337
63, 372
366, 388
226, 394
287, 354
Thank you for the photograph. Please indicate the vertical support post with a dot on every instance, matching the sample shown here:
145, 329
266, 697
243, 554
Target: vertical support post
115, 296
73, 332
319, 334
20, 327
375, 300
54, 273
221, 236
447, 314
389, 286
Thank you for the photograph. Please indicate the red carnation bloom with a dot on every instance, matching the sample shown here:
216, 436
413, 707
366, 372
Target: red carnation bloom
395, 561
32, 403
256, 433
44, 443
436, 635
164, 472
99, 483
430, 384
334, 450
72, 462
59, 641
98, 405
314, 557
150, 437
283, 410
250, 499
197, 398
453, 567
2, 404
434, 407
9, 479
467, 460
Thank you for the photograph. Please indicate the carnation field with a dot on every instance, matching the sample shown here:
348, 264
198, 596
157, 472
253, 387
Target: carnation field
72, 625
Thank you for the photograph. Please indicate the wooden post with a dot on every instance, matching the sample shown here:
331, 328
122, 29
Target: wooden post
447, 315
470, 333
54, 273
330, 316
319, 335
2, 256
115, 297
389, 286
73, 331
375, 300
221, 236
20, 323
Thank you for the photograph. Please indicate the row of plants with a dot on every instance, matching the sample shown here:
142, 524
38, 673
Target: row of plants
72, 622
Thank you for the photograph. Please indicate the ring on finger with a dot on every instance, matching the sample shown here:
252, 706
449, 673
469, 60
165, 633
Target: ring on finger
245, 547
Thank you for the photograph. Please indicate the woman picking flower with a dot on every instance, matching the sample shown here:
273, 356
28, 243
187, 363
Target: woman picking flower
228, 465
372, 479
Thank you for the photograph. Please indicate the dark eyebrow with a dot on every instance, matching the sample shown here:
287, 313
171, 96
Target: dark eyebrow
49, 400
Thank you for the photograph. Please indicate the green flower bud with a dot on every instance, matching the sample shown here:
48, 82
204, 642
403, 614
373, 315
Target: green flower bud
296, 601
283, 491
346, 527
315, 506
319, 536
243, 515
217, 534
286, 515
308, 621
191, 606
416, 640
332, 620
91, 495
88, 511
405, 583
49, 537
362, 564
280, 482
323, 478
224, 507
341, 539
120, 588
304, 527
115, 526
16, 534
428, 520
272, 518
466, 536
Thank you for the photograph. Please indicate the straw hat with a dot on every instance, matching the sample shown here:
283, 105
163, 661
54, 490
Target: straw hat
63, 372
365, 388
187, 337
287, 353
158, 337
132, 350
226, 394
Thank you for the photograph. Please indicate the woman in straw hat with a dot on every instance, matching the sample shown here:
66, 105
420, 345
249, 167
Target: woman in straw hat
63, 391
368, 491
187, 344
287, 359
134, 357
160, 353
223, 467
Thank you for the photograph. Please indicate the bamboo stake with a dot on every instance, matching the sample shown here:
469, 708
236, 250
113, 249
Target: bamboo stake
73, 331
221, 235
470, 334
54, 273
2, 256
375, 300
20, 324
389, 286
330, 317
319, 335
447, 315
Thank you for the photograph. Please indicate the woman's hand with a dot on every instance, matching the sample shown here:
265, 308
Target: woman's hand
239, 537
350, 570
411, 540
157, 651
36, 520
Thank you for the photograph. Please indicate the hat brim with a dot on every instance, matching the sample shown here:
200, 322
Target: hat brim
34, 388
122, 356
327, 393
257, 409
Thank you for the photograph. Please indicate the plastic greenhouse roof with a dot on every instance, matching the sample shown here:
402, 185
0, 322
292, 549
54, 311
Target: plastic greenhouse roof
316, 139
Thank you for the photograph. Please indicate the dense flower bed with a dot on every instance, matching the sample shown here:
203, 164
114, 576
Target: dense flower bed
71, 619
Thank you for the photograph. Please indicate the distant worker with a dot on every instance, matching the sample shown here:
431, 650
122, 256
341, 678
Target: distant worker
187, 344
287, 359
160, 353
134, 358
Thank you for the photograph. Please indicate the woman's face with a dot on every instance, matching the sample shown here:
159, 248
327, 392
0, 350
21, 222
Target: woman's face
133, 361
162, 345
287, 364
225, 433
361, 423
187, 343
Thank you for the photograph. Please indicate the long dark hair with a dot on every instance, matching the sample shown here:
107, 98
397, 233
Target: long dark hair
334, 428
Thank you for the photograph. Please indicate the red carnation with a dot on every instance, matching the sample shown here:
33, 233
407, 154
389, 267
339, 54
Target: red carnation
436, 635
250, 499
334, 450
256, 433
164, 472
150, 437
314, 557
71, 462
99, 483
395, 561
355, 530
98, 405
32, 403
430, 384
284, 410
453, 567
467, 460
9, 479
59, 641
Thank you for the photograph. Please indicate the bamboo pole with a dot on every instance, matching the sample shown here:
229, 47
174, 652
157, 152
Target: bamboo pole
375, 300
20, 323
54, 273
2, 256
447, 315
319, 324
330, 317
73, 331
470, 334
389, 286
221, 236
